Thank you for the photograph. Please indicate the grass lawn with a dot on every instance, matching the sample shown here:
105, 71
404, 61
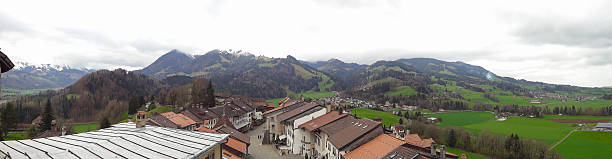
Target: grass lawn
17, 136
587, 144
469, 155
81, 128
535, 128
387, 118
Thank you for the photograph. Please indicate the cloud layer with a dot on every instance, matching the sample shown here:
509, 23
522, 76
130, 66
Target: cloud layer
563, 42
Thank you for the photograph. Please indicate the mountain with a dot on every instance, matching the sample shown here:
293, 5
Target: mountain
242, 73
414, 81
44, 76
172, 61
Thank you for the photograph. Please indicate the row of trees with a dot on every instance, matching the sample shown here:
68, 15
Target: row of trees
489, 144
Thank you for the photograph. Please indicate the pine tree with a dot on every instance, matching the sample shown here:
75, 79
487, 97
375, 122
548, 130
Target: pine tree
8, 118
211, 94
104, 123
31, 131
47, 117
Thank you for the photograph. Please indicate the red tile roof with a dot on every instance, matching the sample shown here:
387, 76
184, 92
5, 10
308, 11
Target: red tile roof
376, 148
237, 145
204, 129
322, 120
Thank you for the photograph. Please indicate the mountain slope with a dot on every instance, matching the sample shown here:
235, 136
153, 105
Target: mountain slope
45, 76
242, 73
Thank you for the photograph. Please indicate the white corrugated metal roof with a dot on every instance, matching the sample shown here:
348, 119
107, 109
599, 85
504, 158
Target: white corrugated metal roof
122, 140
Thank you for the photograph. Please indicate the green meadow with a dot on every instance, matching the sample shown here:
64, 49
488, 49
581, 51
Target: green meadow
587, 144
387, 118
534, 128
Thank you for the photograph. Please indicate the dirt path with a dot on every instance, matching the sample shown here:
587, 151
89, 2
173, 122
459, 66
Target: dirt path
560, 141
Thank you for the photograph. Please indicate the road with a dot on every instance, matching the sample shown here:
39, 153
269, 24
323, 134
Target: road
259, 151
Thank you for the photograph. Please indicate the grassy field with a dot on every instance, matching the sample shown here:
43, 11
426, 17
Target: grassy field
81, 128
539, 129
587, 144
575, 117
402, 90
313, 95
469, 155
387, 118
15, 136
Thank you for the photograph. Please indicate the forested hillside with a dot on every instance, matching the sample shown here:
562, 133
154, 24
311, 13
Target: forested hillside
95, 93
241, 73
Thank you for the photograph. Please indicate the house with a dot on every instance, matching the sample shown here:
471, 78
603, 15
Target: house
156, 119
312, 127
346, 134
290, 121
206, 117
182, 121
236, 147
124, 140
398, 131
272, 128
425, 146
603, 127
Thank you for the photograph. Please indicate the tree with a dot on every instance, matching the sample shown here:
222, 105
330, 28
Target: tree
47, 117
452, 138
211, 94
152, 106
31, 131
104, 123
8, 119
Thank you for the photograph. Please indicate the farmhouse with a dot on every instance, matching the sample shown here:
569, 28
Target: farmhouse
603, 127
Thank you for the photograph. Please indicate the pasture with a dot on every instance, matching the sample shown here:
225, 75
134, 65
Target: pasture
587, 144
388, 119
543, 130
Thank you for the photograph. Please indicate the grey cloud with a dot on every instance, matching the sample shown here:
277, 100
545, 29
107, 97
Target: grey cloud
10, 24
592, 31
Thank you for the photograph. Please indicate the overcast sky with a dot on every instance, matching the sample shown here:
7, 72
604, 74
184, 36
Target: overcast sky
561, 42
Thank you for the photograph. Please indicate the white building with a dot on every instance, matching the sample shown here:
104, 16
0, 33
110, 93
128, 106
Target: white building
291, 120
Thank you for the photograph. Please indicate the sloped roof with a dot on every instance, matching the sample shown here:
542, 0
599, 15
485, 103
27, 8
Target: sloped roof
181, 120
237, 145
224, 121
234, 134
122, 140
192, 116
5, 63
204, 129
322, 120
376, 148
356, 130
297, 111
162, 121
402, 152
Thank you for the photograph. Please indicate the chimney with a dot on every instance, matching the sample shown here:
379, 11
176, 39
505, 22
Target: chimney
443, 152
141, 119
328, 107
433, 149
